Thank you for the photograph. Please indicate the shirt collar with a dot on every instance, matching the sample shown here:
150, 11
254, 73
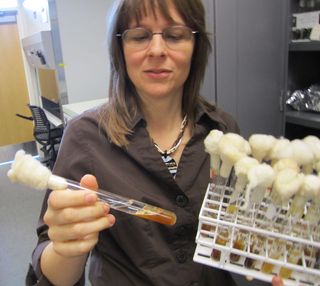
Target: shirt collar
138, 119
209, 112
203, 111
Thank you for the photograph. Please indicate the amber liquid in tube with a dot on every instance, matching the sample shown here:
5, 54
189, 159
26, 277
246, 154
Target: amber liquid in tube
240, 243
267, 268
222, 239
158, 215
256, 247
285, 273
275, 252
139, 209
294, 256
237, 245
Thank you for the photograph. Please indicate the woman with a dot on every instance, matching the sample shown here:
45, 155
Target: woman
147, 144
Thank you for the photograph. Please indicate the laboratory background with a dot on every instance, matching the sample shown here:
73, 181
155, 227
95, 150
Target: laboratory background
264, 70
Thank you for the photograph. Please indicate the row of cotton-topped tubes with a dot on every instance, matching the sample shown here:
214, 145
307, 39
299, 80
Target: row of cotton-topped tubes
291, 169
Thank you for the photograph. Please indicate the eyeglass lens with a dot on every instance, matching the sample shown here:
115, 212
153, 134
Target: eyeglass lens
175, 37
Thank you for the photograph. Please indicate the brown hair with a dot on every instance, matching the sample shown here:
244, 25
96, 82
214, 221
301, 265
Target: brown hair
123, 101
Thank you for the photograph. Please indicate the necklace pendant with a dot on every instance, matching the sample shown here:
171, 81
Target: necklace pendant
171, 164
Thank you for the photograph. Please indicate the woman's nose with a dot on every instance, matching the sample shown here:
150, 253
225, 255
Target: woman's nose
157, 46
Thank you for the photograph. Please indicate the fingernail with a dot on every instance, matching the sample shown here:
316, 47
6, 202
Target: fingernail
90, 198
106, 209
249, 278
111, 219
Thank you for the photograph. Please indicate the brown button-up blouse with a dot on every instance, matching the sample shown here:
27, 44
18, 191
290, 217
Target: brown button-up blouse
137, 251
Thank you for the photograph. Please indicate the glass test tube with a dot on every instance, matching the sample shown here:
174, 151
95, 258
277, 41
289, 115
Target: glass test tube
41, 178
276, 249
222, 239
309, 256
256, 247
293, 258
240, 243
120, 203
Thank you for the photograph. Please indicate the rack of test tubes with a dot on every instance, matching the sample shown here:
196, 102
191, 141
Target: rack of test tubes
251, 242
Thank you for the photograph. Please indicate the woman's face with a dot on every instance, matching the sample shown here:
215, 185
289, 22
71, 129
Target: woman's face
158, 71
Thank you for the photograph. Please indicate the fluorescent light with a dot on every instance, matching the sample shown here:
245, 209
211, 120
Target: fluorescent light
7, 4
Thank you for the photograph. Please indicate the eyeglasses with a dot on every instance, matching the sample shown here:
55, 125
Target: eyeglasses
140, 38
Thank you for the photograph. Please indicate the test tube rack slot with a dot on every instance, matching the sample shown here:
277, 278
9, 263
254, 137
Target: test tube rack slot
248, 243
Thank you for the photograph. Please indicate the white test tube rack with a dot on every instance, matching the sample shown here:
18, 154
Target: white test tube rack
214, 216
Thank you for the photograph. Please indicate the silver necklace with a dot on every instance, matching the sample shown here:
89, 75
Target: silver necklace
176, 143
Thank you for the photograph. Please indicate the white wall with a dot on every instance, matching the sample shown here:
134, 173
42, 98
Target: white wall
30, 23
82, 26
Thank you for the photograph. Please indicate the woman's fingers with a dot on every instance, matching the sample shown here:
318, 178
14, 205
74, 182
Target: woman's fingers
249, 278
89, 181
80, 230
65, 198
75, 214
277, 281
60, 199
74, 248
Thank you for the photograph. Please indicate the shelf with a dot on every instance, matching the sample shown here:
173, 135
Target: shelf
308, 119
304, 46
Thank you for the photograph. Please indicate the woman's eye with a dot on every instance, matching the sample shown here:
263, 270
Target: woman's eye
140, 38
174, 36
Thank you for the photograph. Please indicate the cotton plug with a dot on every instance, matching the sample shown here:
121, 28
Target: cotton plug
309, 189
260, 179
286, 163
211, 146
261, 145
286, 184
281, 150
303, 155
241, 168
232, 147
314, 144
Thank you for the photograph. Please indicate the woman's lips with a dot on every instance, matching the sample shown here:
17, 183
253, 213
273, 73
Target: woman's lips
157, 73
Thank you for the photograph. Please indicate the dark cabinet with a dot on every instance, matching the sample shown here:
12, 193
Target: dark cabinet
248, 67
303, 71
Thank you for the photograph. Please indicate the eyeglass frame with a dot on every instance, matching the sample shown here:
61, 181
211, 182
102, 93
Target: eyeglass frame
120, 35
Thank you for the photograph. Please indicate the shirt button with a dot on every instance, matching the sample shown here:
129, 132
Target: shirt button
181, 256
181, 200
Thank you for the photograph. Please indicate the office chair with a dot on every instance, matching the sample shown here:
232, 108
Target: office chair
48, 136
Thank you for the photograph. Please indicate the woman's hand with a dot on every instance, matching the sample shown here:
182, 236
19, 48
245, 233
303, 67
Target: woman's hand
75, 219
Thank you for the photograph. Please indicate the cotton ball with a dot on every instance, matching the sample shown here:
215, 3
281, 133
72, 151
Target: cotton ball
281, 150
303, 155
261, 145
